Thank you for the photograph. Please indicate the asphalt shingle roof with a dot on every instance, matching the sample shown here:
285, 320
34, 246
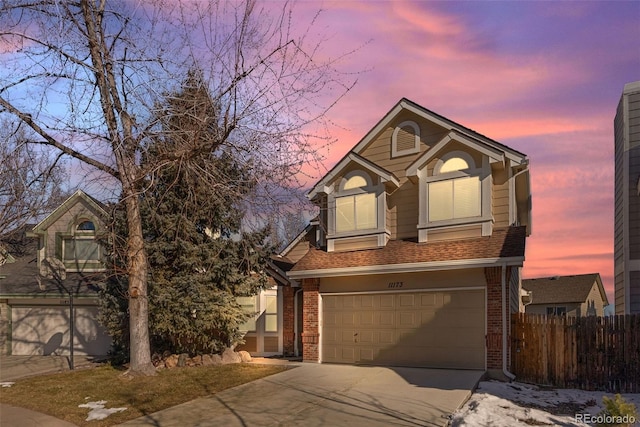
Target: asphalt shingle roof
560, 289
503, 243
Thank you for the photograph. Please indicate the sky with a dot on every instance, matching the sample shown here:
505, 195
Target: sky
543, 78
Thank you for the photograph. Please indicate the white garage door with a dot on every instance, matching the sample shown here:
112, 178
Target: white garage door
44, 330
444, 329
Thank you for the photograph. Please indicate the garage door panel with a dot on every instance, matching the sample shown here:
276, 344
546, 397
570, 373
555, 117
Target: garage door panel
41, 330
430, 329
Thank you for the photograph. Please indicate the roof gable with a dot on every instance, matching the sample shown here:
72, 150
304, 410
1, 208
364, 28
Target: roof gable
75, 198
494, 154
405, 104
564, 289
385, 176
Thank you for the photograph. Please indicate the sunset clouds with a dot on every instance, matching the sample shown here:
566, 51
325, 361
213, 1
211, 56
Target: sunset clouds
541, 77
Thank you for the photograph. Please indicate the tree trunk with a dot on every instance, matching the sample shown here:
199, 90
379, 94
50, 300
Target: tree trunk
140, 352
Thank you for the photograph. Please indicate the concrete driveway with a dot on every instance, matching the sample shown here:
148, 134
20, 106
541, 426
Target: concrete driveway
330, 395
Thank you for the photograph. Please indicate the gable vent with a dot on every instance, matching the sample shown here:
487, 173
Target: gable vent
405, 139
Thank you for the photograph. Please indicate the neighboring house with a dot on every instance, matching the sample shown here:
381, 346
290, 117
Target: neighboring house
46, 265
263, 333
627, 201
578, 295
415, 257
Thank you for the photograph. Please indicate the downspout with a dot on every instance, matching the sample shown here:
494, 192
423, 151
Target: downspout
505, 371
296, 327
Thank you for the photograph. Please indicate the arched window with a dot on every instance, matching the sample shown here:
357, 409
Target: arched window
356, 204
455, 191
86, 226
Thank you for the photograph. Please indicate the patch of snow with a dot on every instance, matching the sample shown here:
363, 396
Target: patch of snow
6, 384
98, 411
518, 404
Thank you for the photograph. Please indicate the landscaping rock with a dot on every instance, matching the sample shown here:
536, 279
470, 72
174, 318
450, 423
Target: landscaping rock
171, 361
244, 356
217, 359
230, 356
195, 361
182, 360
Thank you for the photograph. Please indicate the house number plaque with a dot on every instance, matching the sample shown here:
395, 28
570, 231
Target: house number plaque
395, 284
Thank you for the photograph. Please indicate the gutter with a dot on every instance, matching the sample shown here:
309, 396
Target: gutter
505, 370
406, 267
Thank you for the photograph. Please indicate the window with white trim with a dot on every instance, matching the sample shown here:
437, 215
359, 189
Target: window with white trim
271, 313
455, 191
81, 250
249, 306
357, 211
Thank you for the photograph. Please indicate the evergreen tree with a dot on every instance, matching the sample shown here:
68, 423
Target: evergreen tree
199, 258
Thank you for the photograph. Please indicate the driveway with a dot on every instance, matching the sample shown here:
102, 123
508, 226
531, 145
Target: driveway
329, 395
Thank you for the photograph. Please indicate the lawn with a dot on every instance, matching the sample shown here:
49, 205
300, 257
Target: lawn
60, 394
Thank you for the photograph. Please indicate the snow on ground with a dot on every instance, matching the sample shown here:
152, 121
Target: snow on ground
98, 411
6, 384
516, 404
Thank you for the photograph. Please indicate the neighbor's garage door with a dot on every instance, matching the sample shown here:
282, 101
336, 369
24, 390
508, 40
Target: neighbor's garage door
444, 329
44, 330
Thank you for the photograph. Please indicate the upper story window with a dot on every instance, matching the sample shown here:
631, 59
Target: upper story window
455, 190
80, 249
86, 226
405, 139
356, 206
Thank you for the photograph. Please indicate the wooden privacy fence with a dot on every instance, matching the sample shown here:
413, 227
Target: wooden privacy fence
590, 353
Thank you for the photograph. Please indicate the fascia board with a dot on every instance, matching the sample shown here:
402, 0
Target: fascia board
490, 152
295, 241
407, 267
351, 157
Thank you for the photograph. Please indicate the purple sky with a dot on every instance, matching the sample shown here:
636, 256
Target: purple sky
541, 77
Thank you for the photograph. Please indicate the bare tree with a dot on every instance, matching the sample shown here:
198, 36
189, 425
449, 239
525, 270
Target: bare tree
87, 76
30, 184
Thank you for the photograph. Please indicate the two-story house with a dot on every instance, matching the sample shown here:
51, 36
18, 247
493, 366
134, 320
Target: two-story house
415, 256
47, 266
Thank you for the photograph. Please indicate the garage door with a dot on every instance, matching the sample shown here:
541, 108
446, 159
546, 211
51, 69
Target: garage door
442, 329
45, 330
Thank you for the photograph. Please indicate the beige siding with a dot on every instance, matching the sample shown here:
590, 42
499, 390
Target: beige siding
66, 222
355, 243
405, 281
403, 204
298, 251
594, 295
500, 198
456, 233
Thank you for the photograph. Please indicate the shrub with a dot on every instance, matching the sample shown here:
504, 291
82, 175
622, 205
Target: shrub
617, 412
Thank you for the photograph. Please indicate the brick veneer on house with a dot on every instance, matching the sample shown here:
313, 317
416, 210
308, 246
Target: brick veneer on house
494, 316
310, 325
288, 320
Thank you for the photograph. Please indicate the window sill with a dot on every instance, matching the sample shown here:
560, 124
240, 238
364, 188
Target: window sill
456, 222
357, 233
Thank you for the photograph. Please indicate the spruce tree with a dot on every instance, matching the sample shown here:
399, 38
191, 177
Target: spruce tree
200, 259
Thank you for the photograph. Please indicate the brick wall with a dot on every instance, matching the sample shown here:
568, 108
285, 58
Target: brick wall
494, 315
310, 325
288, 320
5, 329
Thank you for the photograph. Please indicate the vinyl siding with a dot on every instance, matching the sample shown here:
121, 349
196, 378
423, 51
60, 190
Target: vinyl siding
500, 198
